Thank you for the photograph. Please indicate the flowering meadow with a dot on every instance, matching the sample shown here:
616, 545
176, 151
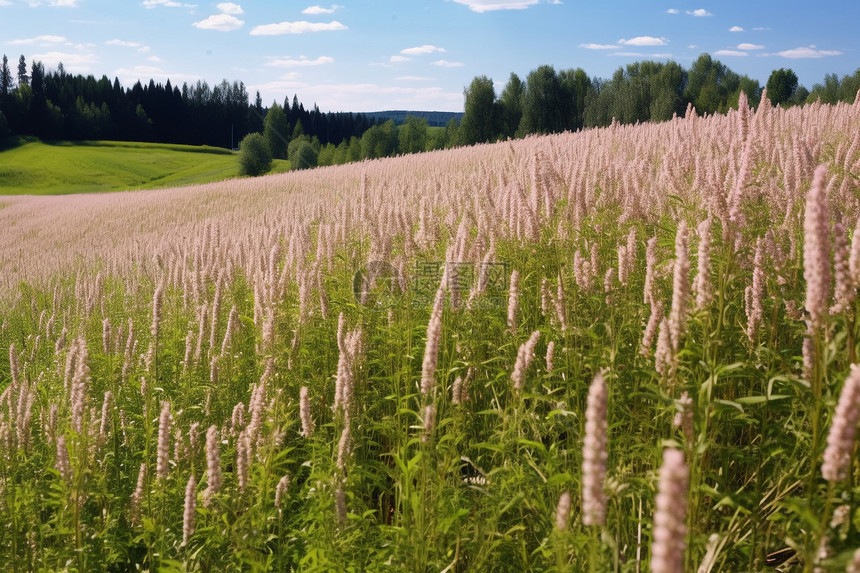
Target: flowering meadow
624, 349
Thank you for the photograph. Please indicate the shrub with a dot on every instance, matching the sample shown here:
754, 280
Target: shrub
255, 158
302, 154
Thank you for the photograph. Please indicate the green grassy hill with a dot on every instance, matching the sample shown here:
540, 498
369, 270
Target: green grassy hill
32, 167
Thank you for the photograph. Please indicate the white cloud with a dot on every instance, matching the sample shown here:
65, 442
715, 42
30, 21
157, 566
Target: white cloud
300, 27
364, 97
141, 71
413, 79
75, 63
167, 3
700, 13
808, 52
230, 8
5, 3
397, 59
220, 22
641, 55
123, 43
44, 40
128, 76
736, 29
447, 64
300, 61
730, 53
673, 11
644, 41
54, 3
420, 50
599, 46
482, 6
750, 47
760, 29
317, 10
155, 59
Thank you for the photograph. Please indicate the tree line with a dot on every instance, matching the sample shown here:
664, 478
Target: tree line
57, 105
53, 104
281, 140
550, 102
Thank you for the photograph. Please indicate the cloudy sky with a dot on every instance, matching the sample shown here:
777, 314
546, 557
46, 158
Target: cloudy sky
366, 55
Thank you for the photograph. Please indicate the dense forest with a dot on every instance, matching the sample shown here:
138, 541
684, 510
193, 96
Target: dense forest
56, 105
551, 102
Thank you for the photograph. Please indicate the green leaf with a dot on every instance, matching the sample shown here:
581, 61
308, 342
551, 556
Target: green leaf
752, 400
532, 444
730, 404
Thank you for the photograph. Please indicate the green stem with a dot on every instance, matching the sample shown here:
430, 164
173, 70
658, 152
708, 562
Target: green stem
817, 385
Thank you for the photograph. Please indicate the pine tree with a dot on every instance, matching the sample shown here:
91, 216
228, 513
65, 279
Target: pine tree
23, 80
5, 79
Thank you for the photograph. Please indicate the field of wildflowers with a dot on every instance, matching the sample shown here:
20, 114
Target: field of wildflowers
624, 349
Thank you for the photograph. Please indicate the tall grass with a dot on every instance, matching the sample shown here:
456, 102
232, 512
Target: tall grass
227, 378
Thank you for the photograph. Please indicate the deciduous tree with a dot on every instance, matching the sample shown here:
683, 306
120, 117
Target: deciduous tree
254, 155
511, 100
781, 86
412, 135
276, 131
542, 102
302, 154
478, 123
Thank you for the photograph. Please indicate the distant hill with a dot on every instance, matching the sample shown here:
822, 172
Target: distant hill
434, 118
29, 166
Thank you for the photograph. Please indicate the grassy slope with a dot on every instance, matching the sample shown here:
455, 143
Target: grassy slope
56, 168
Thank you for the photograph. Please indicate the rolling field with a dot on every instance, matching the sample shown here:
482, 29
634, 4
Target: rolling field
624, 349
58, 168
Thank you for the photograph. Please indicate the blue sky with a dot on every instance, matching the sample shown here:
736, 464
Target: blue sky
372, 55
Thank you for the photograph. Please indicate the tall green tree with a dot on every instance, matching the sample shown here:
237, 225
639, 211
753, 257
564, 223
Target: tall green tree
633, 85
542, 102
833, 89
298, 130
781, 86
353, 152
276, 131
412, 135
5, 79
752, 89
599, 103
667, 92
575, 86
479, 122
828, 91
379, 141
23, 80
452, 133
511, 101
709, 84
